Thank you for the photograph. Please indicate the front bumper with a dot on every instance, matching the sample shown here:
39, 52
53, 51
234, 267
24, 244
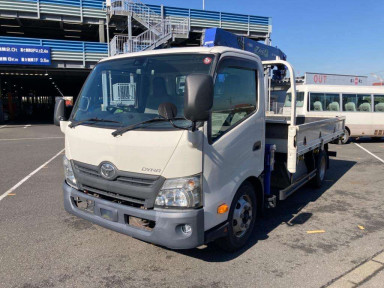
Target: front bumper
167, 231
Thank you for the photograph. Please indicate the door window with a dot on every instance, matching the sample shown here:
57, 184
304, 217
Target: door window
324, 102
299, 99
357, 103
235, 97
378, 103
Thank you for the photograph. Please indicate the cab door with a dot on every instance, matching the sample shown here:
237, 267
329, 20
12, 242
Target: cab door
233, 148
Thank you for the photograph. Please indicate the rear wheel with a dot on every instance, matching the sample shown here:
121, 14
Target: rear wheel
345, 138
321, 167
241, 218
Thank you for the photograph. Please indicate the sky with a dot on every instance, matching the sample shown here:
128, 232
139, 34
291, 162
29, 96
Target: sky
324, 36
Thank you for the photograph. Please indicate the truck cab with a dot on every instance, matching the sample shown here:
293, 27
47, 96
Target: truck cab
168, 146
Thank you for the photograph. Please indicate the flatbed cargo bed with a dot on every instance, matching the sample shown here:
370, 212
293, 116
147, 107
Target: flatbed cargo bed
309, 133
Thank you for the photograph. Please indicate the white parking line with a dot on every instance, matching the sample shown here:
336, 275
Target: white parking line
2, 126
26, 126
378, 158
19, 139
28, 176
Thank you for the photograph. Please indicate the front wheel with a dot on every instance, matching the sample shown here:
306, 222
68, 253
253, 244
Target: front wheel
241, 218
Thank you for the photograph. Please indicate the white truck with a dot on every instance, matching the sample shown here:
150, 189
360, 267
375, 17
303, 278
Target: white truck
173, 146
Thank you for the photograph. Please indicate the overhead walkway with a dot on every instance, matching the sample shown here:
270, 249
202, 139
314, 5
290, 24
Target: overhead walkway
257, 27
88, 11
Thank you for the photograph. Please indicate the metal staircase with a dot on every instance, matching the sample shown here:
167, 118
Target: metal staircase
159, 30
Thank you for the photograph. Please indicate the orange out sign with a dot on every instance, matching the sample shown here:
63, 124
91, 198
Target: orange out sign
321, 79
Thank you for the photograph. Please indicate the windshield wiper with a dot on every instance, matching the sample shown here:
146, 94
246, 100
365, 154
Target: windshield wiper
95, 120
122, 130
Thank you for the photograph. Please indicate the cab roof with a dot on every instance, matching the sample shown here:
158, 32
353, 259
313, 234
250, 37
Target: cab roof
202, 50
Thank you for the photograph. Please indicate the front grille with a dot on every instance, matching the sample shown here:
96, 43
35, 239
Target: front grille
114, 195
88, 171
135, 181
134, 189
94, 171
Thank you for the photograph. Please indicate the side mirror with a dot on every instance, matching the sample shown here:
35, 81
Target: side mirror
198, 97
59, 113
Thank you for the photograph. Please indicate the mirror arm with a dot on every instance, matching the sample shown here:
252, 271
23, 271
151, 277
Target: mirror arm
179, 127
194, 128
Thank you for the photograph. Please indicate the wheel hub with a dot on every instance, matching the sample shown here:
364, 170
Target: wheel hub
242, 216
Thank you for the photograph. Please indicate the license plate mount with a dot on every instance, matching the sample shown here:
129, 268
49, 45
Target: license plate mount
107, 213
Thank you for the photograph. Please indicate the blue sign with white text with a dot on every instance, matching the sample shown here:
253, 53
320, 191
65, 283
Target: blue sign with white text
25, 55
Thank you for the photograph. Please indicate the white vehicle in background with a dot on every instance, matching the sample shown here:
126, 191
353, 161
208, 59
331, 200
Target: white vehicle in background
363, 107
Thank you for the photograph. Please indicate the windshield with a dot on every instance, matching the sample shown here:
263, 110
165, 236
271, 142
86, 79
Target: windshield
299, 99
129, 91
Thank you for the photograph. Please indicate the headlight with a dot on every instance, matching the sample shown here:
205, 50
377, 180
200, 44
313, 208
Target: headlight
68, 172
180, 192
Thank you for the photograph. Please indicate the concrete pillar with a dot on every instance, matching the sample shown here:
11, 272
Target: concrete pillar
130, 48
102, 31
162, 11
108, 39
130, 27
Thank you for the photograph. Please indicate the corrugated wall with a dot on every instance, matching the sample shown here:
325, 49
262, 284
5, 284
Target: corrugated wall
94, 9
63, 50
230, 21
76, 8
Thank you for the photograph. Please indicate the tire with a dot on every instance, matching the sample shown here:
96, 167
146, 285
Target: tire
321, 169
240, 228
345, 138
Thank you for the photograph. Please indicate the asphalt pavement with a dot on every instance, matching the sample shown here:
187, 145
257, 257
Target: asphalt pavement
315, 238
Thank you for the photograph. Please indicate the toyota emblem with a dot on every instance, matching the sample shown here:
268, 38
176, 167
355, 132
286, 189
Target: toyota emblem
108, 171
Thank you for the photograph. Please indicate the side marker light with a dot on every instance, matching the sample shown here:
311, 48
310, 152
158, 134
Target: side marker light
222, 209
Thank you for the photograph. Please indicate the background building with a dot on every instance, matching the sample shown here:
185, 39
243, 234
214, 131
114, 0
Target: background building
48, 47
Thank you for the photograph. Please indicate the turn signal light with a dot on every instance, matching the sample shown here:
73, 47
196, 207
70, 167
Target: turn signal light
222, 209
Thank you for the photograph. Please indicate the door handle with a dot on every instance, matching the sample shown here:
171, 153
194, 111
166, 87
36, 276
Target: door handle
256, 146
